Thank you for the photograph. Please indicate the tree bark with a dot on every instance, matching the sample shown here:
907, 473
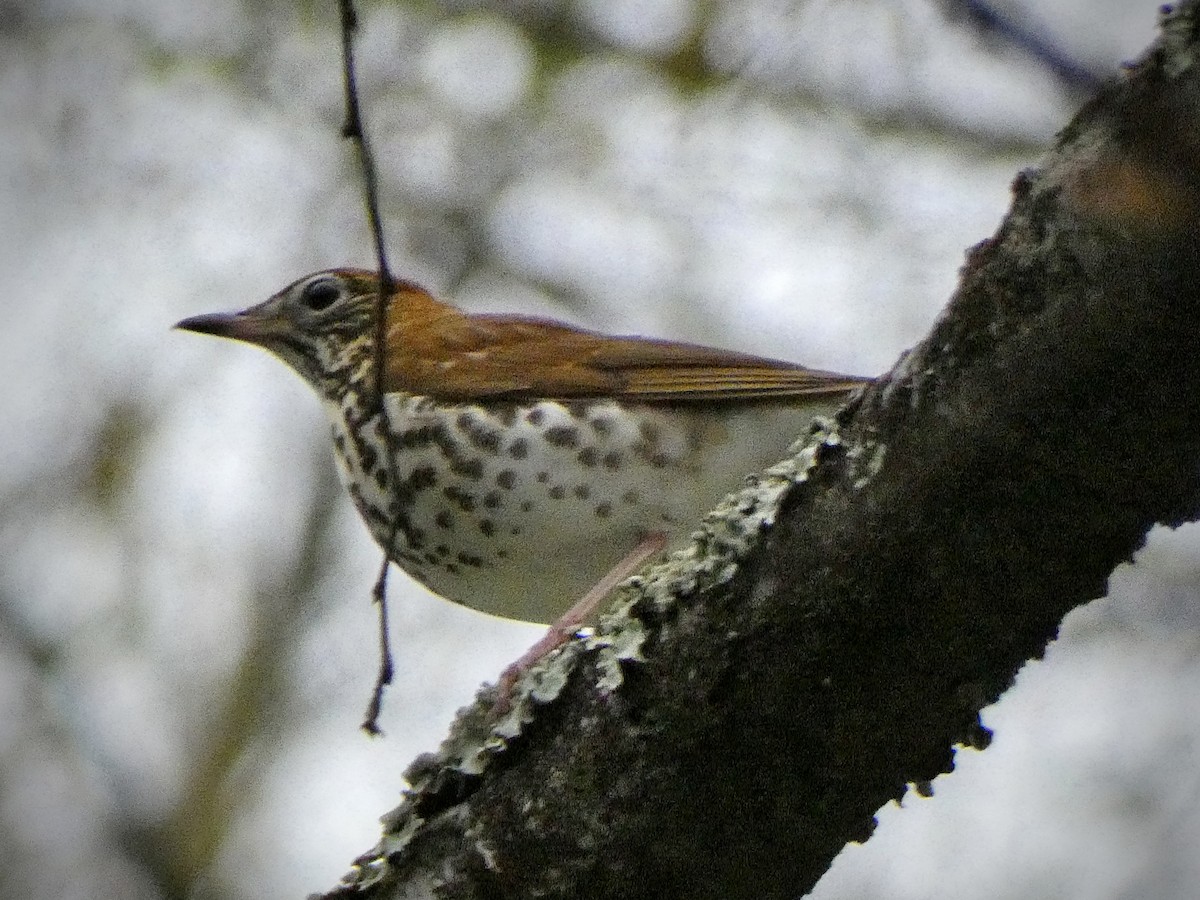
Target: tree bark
839, 625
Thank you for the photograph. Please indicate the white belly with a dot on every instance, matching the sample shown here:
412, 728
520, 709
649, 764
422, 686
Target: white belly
518, 512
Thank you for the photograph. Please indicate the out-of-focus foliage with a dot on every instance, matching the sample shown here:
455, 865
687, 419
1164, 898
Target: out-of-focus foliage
186, 639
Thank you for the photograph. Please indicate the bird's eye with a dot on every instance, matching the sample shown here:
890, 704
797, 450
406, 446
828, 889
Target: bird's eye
320, 293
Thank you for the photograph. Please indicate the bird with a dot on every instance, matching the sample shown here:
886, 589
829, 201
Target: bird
518, 465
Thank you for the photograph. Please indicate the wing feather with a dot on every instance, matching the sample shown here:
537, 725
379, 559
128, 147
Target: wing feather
439, 351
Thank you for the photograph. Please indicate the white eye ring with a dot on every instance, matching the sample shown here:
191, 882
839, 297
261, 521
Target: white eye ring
320, 293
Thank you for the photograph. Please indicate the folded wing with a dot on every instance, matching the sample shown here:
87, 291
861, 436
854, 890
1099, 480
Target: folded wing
439, 351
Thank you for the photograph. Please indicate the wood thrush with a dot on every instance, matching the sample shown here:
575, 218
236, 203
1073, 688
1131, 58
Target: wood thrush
533, 460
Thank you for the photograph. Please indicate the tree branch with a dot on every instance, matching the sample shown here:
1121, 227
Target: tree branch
735, 726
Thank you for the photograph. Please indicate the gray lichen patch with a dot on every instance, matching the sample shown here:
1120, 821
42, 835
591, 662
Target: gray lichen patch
865, 461
1177, 26
735, 527
724, 539
616, 646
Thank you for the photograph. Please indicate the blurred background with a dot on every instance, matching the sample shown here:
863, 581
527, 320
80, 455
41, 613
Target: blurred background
186, 639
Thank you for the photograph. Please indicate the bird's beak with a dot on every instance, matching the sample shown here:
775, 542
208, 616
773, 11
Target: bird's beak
251, 326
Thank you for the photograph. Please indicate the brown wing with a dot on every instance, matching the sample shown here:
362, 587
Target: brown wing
439, 351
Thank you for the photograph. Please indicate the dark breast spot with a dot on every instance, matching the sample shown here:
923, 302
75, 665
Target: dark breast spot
602, 425
415, 437
366, 453
479, 434
468, 468
422, 477
565, 436
459, 497
416, 537
505, 413
577, 409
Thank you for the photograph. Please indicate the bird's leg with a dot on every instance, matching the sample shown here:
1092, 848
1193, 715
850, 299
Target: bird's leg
568, 624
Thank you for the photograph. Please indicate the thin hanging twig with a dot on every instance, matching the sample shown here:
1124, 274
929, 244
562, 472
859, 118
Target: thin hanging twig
353, 130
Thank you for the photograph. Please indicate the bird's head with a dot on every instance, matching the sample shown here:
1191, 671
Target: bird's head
322, 325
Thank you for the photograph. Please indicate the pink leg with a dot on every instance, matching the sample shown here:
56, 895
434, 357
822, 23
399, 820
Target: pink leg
568, 624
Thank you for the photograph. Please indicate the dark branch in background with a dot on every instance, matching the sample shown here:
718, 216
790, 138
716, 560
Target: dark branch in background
754, 708
984, 18
187, 843
353, 130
